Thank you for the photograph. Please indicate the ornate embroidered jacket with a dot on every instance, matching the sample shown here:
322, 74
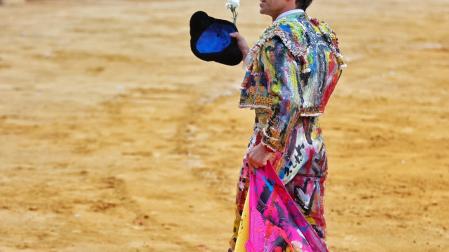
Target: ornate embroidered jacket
291, 73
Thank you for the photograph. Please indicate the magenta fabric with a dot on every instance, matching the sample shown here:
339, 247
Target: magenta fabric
276, 223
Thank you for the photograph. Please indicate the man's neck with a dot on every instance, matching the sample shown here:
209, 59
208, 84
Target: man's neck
287, 12
285, 9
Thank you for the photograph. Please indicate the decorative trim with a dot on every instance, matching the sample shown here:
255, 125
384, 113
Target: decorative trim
275, 138
253, 106
310, 111
299, 51
272, 144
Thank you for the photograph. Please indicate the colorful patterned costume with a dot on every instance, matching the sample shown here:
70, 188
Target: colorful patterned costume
291, 73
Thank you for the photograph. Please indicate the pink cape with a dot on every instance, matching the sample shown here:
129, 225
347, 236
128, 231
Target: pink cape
275, 222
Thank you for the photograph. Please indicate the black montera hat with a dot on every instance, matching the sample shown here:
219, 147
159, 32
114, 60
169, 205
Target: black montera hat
210, 39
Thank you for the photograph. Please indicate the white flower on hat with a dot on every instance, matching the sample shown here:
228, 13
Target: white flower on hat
233, 5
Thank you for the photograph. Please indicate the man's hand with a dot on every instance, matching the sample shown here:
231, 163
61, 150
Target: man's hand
241, 42
259, 155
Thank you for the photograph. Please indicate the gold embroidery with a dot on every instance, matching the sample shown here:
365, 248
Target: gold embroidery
274, 133
274, 144
310, 110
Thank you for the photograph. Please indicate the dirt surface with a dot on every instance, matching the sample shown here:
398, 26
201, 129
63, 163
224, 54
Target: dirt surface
115, 138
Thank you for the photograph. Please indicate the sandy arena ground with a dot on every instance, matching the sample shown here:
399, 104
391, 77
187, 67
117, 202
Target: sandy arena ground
114, 137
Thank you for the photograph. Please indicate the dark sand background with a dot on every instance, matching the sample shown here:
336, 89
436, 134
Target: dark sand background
113, 137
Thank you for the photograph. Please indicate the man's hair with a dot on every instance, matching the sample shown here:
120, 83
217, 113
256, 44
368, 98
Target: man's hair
303, 4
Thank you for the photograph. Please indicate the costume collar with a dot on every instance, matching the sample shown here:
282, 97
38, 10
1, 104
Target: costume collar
284, 14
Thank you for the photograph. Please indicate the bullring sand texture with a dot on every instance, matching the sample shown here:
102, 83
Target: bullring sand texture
115, 138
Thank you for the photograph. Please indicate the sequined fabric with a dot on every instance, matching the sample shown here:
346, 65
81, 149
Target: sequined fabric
291, 71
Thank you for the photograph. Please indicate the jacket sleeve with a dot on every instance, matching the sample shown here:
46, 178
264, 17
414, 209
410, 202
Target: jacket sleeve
282, 73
